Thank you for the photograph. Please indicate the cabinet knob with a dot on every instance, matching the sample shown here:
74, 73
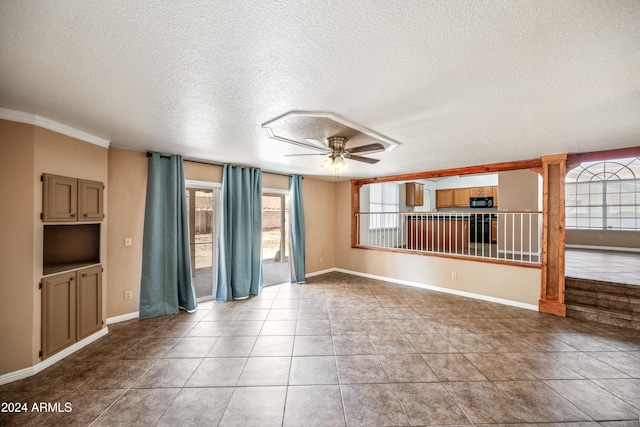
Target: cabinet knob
85, 215
84, 274
73, 215
71, 278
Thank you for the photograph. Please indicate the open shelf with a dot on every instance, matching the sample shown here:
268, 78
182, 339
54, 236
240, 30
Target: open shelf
68, 247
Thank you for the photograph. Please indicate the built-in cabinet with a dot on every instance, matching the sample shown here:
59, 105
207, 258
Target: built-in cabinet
459, 197
71, 308
71, 199
414, 193
71, 299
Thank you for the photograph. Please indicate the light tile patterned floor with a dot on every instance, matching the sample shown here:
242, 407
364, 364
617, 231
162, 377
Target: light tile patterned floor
344, 350
607, 266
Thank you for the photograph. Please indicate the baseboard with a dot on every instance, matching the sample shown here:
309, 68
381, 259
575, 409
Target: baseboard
123, 317
502, 301
603, 248
317, 273
32, 370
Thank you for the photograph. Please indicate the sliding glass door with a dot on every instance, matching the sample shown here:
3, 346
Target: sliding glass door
203, 208
275, 250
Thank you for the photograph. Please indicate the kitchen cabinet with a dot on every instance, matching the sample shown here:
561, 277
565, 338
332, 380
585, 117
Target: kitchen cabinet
461, 197
444, 198
71, 199
414, 193
71, 308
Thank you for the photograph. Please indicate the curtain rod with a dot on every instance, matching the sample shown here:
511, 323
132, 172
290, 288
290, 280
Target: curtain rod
215, 164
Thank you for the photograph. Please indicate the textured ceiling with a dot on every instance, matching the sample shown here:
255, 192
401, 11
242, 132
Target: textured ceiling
456, 83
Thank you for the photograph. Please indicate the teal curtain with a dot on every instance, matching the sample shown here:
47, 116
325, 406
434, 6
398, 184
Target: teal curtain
240, 241
296, 234
166, 284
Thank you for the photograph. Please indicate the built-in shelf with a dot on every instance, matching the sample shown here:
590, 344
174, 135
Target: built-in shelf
69, 247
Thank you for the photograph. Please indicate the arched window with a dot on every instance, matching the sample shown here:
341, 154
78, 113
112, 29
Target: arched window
604, 195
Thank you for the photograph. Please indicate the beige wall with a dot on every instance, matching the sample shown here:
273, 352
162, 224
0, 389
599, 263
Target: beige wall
16, 233
605, 238
512, 283
127, 189
320, 224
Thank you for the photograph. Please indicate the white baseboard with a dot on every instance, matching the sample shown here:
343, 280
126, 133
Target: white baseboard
32, 370
317, 273
603, 248
123, 317
502, 301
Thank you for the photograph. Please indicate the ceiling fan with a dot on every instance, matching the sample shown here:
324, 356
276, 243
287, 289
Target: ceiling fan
336, 152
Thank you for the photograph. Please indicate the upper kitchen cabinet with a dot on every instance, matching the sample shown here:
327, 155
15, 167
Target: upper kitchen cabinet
415, 194
481, 192
461, 197
444, 198
71, 199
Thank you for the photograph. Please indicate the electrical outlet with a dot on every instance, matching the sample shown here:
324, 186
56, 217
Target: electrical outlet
128, 295
454, 275
127, 241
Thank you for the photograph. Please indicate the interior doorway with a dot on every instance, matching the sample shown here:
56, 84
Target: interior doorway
203, 207
275, 250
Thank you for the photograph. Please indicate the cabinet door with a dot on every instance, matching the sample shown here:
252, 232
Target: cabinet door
59, 198
444, 198
461, 197
414, 194
58, 313
494, 193
90, 204
89, 301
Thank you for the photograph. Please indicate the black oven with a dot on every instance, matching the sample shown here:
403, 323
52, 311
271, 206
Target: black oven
481, 202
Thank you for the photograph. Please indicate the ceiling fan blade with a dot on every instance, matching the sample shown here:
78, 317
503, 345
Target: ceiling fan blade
312, 154
363, 159
369, 147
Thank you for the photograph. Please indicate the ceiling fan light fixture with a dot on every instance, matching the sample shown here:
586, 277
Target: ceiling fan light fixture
333, 162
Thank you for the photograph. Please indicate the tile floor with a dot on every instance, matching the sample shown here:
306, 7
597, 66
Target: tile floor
608, 266
344, 350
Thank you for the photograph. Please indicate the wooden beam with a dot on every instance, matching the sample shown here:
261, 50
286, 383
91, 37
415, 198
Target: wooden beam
468, 170
594, 156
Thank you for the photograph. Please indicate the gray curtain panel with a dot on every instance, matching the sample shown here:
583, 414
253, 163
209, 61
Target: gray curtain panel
240, 241
296, 234
166, 284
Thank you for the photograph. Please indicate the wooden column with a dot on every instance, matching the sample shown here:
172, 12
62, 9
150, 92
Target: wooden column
355, 209
554, 170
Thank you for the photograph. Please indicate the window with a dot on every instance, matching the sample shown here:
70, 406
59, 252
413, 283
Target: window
604, 195
384, 197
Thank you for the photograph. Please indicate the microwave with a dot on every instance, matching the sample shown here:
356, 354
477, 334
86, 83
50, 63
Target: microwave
481, 202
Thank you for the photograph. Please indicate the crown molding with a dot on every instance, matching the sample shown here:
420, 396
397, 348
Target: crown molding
43, 122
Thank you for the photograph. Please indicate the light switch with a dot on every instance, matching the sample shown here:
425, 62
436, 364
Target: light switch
127, 241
